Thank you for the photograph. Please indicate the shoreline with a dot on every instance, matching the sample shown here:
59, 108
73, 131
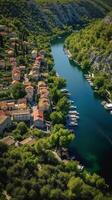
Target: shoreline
89, 77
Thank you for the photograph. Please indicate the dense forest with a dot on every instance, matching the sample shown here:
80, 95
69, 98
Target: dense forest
92, 48
44, 15
30, 173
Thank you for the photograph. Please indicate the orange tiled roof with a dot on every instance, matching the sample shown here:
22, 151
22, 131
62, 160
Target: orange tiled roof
38, 115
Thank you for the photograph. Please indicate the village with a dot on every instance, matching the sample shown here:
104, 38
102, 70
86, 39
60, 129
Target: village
26, 109
25, 91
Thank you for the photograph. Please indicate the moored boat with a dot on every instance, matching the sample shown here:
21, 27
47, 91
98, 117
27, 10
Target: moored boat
73, 112
73, 107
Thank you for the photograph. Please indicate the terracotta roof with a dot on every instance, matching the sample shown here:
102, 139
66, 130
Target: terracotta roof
15, 82
44, 100
43, 104
45, 95
27, 83
44, 91
16, 70
29, 141
3, 119
38, 115
22, 106
12, 59
41, 84
9, 140
39, 58
29, 87
2, 103
2, 113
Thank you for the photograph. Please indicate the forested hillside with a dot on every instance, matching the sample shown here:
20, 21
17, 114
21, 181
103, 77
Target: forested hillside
45, 15
92, 48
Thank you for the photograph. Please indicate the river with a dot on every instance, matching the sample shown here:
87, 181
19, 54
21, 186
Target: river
93, 143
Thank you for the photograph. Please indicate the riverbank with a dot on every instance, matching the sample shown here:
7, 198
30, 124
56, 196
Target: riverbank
90, 77
95, 122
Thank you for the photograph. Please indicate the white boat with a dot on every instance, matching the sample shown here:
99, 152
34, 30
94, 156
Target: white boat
73, 117
76, 117
73, 121
73, 112
108, 106
57, 74
111, 112
91, 84
70, 101
76, 124
64, 90
73, 124
86, 75
73, 107
68, 94
80, 167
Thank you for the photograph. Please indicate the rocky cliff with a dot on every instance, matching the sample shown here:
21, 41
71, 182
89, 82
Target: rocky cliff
45, 15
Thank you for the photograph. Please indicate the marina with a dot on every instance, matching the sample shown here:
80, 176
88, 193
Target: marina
73, 115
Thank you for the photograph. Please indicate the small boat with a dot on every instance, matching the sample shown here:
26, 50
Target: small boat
76, 117
73, 107
70, 101
111, 112
64, 90
68, 94
57, 74
80, 167
73, 124
108, 106
86, 75
73, 112
73, 121
76, 124
73, 117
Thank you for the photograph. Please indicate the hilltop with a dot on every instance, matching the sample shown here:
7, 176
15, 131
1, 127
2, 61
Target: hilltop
41, 15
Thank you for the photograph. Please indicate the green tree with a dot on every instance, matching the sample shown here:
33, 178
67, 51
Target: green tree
56, 194
75, 184
63, 105
18, 90
22, 128
45, 191
61, 137
57, 117
3, 148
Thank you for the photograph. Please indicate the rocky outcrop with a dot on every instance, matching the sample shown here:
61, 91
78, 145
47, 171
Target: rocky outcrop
38, 17
71, 13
